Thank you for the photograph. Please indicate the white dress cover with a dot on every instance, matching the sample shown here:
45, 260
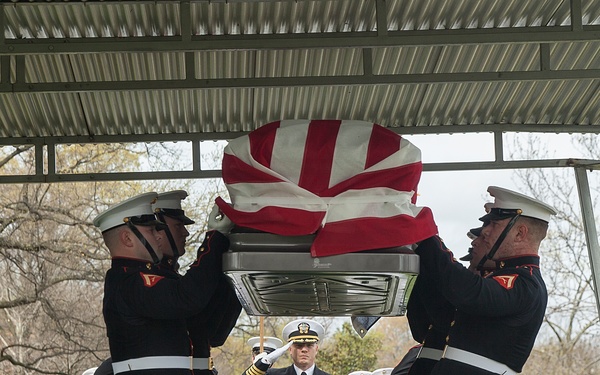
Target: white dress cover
353, 183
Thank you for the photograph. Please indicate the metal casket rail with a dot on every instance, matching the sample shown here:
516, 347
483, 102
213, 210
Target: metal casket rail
276, 276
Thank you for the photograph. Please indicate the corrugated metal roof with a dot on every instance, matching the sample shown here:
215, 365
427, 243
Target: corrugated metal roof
215, 68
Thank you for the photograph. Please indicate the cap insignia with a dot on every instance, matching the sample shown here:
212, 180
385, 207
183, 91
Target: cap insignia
303, 328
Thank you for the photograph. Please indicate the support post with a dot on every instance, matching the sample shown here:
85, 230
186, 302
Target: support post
589, 226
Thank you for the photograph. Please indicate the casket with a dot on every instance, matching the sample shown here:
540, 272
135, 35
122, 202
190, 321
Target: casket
325, 218
276, 275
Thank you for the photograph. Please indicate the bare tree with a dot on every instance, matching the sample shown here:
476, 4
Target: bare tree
52, 265
53, 260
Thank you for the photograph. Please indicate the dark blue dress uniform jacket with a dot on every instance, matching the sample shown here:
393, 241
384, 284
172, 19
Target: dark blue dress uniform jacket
145, 307
291, 371
429, 316
212, 326
497, 316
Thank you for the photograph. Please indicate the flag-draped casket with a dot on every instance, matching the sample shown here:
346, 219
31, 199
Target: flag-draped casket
352, 183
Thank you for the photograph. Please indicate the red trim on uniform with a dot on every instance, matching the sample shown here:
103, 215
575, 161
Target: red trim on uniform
206, 250
530, 267
130, 258
519, 256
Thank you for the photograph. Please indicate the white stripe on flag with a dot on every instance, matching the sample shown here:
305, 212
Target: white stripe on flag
374, 202
288, 151
363, 197
354, 139
251, 197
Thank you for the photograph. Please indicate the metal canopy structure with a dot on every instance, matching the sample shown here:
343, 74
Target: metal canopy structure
81, 72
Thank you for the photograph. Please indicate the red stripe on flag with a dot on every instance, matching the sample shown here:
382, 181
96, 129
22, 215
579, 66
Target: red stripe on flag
382, 144
277, 220
402, 178
318, 155
357, 234
261, 142
236, 171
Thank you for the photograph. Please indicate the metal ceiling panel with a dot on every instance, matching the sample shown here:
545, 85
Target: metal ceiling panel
281, 17
231, 110
457, 14
25, 20
576, 55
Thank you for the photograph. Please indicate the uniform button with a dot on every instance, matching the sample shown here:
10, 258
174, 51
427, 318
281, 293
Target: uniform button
148, 266
452, 323
447, 339
201, 249
502, 264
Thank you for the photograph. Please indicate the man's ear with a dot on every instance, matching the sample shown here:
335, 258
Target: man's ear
126, 238
522, 232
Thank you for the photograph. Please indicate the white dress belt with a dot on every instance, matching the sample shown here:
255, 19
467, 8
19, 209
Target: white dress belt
477, 360
160, 362
430, 353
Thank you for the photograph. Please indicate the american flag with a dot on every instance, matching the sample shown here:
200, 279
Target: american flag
353, 183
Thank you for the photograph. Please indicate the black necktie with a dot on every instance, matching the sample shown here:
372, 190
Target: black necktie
302, 373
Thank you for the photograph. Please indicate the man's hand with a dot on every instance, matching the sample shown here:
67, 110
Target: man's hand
272, 357
263, 361
218, 221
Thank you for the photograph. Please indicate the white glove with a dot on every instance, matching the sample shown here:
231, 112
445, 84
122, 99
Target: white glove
260, 356
218, 221
272, 357
263, 361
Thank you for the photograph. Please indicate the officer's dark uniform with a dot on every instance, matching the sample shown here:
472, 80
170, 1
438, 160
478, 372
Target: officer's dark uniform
145, 308
405, 364
497, 317
212, 326
429, 315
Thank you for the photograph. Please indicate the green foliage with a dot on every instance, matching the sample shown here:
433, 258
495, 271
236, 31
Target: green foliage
348, 352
